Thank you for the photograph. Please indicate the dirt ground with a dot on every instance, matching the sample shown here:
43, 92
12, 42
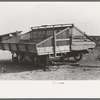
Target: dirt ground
86, 69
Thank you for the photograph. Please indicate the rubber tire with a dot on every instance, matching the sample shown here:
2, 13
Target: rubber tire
80, 57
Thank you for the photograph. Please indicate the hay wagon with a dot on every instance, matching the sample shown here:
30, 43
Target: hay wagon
47, 43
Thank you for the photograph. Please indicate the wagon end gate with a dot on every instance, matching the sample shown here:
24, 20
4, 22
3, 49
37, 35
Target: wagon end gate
81, 41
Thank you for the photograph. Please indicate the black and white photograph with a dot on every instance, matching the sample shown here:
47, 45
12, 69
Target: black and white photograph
49, 49
49, 41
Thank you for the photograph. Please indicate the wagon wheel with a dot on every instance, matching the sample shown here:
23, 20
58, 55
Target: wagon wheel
14, 58
20, 58
62, 58
78, 57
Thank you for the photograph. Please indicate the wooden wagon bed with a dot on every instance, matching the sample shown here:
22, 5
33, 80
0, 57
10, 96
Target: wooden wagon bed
49, 39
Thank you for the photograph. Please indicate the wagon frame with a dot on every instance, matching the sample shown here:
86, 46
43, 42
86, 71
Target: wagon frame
64, 40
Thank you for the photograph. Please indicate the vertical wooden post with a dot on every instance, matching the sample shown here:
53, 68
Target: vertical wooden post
70, 37
26, 48
9, 46
17, 47
2, 46
54, 42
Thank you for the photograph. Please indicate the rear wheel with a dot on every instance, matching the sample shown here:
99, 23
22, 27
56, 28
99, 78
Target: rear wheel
78, 57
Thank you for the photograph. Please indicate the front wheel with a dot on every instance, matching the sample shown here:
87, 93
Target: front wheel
78, 57
14, 58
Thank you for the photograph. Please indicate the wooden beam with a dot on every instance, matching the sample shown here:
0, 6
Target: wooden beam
2, 46
54, 43
17, 47
70, 36
51, 37
9, 46
62, 39
26, 48
52, 26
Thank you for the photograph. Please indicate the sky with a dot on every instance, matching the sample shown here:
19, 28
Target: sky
20, 16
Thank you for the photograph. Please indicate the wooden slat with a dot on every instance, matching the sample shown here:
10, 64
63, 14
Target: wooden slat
9, 46
52, 26
6, 46
31, 48
13, 47
2, 46
26, 48
54, 43
52, 37
62, 39
17, 47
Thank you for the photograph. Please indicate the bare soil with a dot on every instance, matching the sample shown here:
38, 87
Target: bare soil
88, 69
